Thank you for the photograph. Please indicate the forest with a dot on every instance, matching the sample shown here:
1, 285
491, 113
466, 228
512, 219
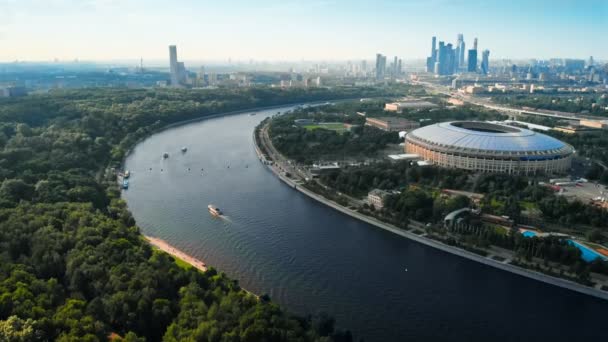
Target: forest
309, 145
504, 194
73, 264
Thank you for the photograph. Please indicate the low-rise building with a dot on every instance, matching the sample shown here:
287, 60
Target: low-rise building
318, 169
404, 156
392, 124
398, 107
376, 198
456, 102
474, 89
575, 129
601, 124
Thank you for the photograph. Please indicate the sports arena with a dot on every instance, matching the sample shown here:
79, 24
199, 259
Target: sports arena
488, 147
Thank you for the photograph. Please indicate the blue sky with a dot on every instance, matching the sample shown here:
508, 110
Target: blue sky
294, 30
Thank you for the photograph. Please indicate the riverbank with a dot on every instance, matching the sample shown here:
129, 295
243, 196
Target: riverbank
176, 253
218, 115
278, 164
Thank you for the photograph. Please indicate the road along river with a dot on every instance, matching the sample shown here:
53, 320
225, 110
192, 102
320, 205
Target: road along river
312, 258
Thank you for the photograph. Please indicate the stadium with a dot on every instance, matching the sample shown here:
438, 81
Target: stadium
489, 147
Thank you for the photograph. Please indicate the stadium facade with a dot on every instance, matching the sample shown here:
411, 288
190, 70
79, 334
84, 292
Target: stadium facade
489, 147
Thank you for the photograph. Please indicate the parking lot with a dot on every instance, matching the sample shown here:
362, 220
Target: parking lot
585, 192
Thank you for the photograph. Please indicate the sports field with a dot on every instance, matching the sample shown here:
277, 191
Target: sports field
333, 126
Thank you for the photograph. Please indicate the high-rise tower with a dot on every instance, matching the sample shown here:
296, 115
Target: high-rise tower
380, 66
472, 61
430, 61
485, 61
174, 69
461, 51
459, 41
472, 58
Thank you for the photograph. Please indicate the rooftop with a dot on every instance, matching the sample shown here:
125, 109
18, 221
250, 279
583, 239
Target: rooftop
478, 135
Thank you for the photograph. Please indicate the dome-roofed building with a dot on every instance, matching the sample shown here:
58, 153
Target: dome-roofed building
489, 147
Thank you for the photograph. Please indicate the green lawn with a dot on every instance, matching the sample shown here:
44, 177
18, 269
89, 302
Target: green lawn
179, 262
528, 205
332, 126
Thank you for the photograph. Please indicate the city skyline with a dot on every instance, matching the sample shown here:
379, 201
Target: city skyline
99, 30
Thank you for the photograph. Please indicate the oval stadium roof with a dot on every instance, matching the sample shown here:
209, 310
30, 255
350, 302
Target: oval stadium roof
477, 135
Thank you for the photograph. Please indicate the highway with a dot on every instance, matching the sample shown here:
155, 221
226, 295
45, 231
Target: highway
487, 103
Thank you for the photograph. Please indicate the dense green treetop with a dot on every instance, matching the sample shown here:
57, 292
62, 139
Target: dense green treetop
73, 264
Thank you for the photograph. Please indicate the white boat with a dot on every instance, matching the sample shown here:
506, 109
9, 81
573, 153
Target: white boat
214, 210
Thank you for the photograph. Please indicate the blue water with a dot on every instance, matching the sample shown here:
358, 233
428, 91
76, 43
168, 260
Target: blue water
310, 258
588, 254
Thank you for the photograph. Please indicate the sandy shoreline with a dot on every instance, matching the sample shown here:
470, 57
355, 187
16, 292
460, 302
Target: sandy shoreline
167, 248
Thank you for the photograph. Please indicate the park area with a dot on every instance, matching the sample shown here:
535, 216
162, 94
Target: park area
332, 126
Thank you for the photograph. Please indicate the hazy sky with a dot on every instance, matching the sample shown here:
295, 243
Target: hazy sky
294, 30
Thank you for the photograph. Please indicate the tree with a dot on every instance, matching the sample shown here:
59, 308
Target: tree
15, 329
15, 190
595, 235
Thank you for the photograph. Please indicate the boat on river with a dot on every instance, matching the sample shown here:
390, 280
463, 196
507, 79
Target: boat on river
215, 211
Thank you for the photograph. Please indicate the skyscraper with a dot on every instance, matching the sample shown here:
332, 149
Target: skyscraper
178, 71
459, 41
430, 61
450, 60
399, 67
461, 51
472, 61
380, 66
174, 69
441, 58
472, 58
395, 67
485, 61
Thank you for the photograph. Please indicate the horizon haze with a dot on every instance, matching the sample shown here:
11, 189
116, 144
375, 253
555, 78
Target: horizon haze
108, 30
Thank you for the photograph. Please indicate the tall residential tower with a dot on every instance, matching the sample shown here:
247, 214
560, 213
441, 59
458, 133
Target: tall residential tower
177, 68
173, 67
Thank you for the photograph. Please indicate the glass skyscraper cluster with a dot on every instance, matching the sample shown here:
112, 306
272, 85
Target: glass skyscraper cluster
447, 59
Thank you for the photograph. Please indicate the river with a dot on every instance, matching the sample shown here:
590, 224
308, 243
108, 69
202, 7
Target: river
311, 258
